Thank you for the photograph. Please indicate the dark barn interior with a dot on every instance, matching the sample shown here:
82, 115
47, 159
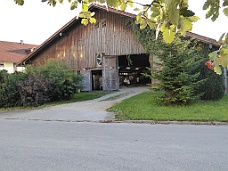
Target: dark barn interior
131, 68
97, 80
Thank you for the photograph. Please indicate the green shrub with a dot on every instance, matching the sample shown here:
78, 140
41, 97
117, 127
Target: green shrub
34, 90
4, 84
8, 88
214, 87
50, 82
64, 82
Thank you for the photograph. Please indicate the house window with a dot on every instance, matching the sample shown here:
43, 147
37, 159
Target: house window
127, 24
1, 64
103, 23
96, 25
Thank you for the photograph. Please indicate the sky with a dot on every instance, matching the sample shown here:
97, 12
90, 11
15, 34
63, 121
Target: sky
34, 22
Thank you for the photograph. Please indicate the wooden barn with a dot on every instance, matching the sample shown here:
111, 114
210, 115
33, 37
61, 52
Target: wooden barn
107, 53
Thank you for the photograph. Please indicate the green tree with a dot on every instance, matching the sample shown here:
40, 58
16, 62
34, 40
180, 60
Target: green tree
213, 86
178, 61
176, 78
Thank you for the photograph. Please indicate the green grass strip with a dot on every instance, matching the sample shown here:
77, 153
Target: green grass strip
144, 107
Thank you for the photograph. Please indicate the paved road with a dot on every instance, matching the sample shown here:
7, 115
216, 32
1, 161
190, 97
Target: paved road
93, 110
52, 145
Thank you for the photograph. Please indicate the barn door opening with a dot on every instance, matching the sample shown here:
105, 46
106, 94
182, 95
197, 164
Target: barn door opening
110, 73
87, 80
97, 79
132, 69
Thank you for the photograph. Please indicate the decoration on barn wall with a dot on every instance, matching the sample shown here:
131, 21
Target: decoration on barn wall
99, 59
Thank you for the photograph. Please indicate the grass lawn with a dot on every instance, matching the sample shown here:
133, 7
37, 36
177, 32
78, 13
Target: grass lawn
144, 107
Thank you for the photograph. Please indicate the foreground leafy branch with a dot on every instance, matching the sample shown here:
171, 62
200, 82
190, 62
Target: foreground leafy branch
167, 16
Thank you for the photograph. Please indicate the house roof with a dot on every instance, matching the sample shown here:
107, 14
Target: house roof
110, 9
203, 38
14, 52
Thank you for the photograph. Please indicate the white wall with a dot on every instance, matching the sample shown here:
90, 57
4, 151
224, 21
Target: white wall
11, 67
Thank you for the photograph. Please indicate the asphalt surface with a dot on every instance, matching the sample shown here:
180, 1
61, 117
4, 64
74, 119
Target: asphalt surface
51, 145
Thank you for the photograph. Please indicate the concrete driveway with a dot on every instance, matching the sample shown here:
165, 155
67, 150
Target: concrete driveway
91, 111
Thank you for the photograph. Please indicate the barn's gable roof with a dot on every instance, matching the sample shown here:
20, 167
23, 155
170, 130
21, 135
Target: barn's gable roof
95, 6
14, 52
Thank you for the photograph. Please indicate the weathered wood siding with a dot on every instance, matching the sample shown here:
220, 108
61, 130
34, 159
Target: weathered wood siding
79, 45
110, 74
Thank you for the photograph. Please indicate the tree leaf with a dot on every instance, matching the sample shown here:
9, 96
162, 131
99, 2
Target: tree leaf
52, 2
214, 17
193, 18
130, 3
186, 13
225, 3
221, 38
85, 7
82, 15
123, 6
225, 11
156, 4
92, 20
217, 69
223, 60
136, 9
187, 24
213, 55
19, 2
113, 3
168, 34
151, 24
213, 7
206, 5
184, 3
155, 12
74, 5
172, 11
139, 19
143, 25
224, 51
225, 42
84, 21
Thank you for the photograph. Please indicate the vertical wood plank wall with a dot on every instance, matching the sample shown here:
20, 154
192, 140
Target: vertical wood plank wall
79, 45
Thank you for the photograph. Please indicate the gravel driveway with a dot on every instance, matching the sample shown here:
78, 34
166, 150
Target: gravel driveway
93, 110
